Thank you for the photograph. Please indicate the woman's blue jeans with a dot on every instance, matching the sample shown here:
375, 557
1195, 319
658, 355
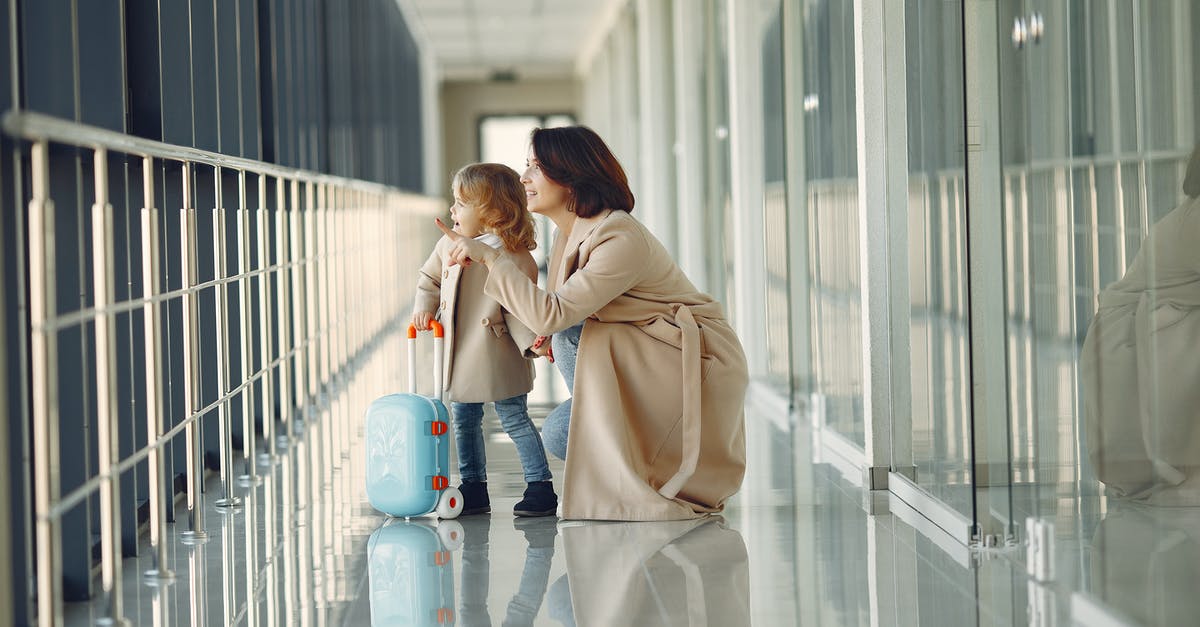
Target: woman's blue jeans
565, 345
514, 417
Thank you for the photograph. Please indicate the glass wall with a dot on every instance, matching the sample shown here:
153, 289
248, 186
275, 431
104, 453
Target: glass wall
1047, 145
1099, 106
830, 155
717, 212
939, 327
775, 199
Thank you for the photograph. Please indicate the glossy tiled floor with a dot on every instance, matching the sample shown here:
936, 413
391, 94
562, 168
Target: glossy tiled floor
800, 545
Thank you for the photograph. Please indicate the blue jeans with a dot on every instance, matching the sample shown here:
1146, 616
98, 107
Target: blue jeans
565, 345
514, 417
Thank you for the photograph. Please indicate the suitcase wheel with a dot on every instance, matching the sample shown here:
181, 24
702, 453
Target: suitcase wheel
452, 534
449, 504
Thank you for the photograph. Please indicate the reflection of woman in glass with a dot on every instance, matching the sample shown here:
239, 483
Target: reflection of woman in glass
1140, 365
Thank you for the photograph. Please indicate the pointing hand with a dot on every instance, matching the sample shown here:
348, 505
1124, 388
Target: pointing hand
464, 250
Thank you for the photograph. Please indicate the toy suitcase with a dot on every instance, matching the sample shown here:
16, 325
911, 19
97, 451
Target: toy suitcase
408, 446
411, 574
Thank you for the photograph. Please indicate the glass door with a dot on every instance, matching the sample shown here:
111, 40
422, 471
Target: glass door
1098, 118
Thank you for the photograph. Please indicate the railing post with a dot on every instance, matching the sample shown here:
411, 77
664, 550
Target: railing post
297, 315
312, 262
44, 366
248, 429
338, 281
151, 312
191, 365
224, 416
328, 251
197, 593
264, 317
318, 206
283, 283
106, 390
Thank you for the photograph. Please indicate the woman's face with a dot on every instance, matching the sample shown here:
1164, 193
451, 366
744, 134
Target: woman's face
466, 217
541, 194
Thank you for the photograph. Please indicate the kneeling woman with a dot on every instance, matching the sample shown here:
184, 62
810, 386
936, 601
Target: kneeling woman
656, 428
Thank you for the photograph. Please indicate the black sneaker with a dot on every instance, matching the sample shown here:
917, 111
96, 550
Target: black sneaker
475, 498
540, 500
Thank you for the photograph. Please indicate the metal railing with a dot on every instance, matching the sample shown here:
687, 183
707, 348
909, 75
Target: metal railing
338, 250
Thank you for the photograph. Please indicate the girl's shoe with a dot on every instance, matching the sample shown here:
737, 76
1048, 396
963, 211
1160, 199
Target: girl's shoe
475, 498
540, 500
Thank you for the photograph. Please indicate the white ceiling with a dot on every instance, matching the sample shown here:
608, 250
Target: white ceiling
473, 39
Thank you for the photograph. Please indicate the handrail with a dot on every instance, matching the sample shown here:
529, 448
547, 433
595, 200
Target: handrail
313, 240
41, 127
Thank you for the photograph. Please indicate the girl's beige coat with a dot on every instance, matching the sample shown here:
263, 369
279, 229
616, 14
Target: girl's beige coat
484, 346
656, 424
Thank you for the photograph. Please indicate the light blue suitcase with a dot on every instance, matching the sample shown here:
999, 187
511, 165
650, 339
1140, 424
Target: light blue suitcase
411, 574
408, 446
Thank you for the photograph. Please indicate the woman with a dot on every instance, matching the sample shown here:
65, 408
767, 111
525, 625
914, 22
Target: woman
656, 428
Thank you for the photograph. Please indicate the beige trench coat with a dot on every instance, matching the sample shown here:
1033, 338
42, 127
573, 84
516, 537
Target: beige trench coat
656, 423
485, 346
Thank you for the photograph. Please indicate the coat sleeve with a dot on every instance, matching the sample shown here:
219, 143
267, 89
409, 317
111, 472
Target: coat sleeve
521, 334
429, 283
614, 264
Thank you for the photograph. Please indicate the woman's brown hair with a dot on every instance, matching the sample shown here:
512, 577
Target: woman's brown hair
576, 158
1191, 180
496, 190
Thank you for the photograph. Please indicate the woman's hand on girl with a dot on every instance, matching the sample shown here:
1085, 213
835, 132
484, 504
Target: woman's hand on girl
464, 250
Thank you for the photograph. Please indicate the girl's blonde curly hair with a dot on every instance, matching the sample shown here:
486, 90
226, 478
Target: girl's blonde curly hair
496, 190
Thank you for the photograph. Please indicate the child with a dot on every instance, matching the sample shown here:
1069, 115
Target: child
485, 347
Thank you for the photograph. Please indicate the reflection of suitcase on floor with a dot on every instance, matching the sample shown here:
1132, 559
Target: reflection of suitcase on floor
410, 573
408, 446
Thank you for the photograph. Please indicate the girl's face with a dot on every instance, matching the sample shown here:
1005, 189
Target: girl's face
542, 195
467, 221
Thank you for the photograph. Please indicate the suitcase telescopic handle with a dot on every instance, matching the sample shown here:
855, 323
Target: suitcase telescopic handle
438, 338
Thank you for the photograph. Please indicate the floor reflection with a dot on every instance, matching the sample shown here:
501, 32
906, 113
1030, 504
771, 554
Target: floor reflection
1146, 562
801, 544
664, 573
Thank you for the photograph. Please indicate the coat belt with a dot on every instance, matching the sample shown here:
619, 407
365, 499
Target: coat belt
690, 345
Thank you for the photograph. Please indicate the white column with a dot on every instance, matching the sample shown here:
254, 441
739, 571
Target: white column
799, 286
880, 195
1185, 126
656, 205
746, 174
690, 133
623, 84
899, 416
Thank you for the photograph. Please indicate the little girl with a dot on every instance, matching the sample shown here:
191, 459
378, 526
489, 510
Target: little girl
485, 346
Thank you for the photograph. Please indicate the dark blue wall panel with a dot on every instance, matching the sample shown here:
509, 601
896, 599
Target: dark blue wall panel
322, 85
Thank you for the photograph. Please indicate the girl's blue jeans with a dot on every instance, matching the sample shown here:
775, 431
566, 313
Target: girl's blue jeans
565, 345
514, 417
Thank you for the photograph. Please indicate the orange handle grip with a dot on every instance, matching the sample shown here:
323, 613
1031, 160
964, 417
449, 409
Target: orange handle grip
438, 331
